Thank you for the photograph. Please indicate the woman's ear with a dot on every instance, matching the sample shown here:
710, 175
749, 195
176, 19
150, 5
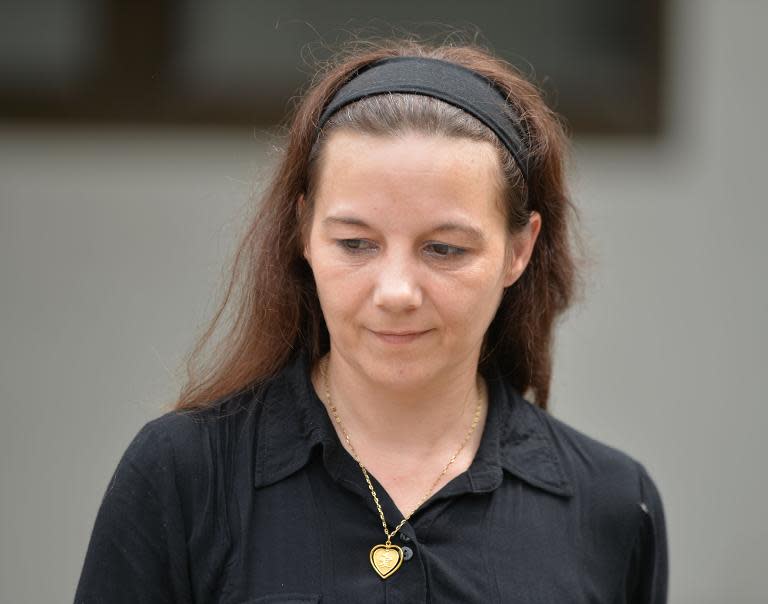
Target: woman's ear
522, 244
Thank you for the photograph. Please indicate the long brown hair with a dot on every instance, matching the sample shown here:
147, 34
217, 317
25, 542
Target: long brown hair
273, 306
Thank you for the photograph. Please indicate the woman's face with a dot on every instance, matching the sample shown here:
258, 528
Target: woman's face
410, 253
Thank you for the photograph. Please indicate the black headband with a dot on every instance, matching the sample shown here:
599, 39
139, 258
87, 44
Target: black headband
442, 80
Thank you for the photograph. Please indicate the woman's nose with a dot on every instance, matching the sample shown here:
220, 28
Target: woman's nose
397, 286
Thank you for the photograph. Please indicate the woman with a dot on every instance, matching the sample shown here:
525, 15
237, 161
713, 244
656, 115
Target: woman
362, 434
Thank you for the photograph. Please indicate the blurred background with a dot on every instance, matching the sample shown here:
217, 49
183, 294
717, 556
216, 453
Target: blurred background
134, 137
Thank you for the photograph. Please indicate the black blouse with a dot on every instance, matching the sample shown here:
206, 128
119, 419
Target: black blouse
257, 501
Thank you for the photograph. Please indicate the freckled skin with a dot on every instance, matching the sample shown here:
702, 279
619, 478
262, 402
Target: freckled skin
396, 272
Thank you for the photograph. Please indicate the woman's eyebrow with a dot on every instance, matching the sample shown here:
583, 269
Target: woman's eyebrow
459, 227
445, 227
348, 220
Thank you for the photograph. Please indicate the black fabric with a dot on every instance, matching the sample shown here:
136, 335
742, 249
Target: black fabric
443, 80
257, 501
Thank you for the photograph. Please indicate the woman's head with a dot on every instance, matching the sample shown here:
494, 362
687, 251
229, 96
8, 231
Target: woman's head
408, 236
452, 156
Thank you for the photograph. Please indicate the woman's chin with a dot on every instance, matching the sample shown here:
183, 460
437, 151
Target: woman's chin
405, 374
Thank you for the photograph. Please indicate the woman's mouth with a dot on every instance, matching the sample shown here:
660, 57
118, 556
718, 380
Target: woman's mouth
399, 337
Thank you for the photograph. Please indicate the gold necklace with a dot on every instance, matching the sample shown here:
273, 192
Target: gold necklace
385, 557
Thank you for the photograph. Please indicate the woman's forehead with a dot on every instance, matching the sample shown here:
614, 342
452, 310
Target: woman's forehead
409, 148
409, 174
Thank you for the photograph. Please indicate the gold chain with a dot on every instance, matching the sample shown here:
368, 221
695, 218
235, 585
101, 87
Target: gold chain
332, 407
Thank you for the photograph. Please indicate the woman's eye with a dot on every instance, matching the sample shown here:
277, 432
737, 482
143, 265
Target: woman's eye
443, 250
354, 245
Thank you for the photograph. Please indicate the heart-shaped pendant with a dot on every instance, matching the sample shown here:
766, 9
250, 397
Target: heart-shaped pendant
386, 559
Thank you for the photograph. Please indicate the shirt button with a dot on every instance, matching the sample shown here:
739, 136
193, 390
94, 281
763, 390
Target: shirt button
407, 553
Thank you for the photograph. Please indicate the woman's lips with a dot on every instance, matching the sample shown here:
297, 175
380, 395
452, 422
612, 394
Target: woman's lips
392, 337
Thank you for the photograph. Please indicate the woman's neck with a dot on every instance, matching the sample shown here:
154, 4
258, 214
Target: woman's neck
416, 423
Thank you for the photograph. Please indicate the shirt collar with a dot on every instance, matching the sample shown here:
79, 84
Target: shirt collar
516, 437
